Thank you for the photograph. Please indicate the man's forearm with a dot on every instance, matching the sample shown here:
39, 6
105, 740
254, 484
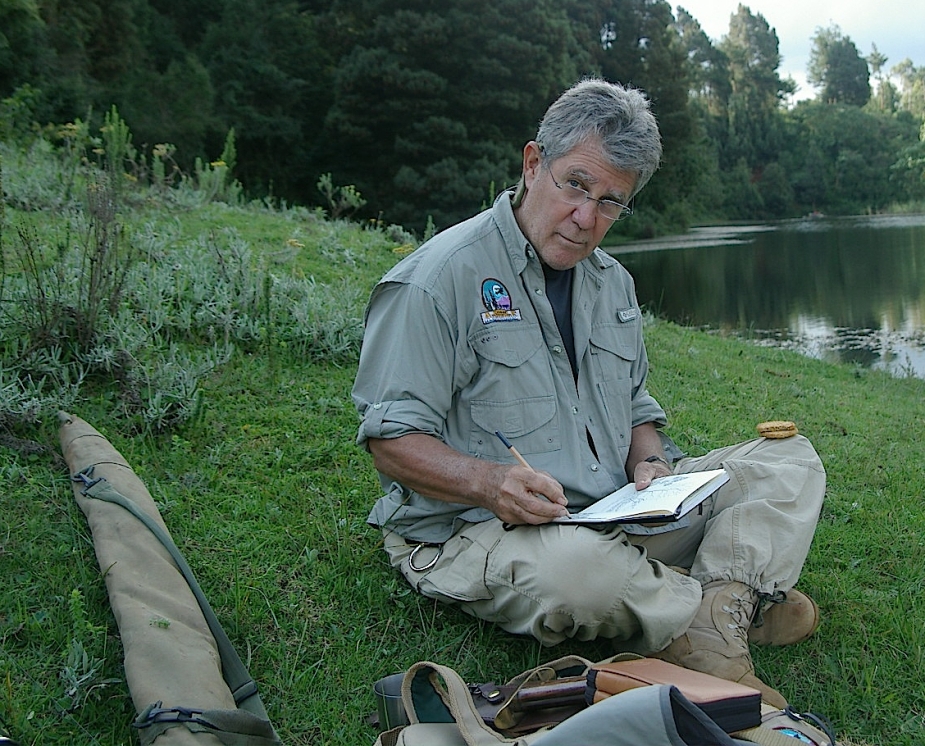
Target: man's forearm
514, 493
430, 467
646, 443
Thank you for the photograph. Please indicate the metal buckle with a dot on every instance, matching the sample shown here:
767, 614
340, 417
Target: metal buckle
430, 563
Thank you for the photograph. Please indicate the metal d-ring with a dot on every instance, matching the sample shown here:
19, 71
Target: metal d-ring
431, 563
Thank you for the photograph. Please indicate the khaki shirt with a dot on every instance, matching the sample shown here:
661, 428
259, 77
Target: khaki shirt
461, 342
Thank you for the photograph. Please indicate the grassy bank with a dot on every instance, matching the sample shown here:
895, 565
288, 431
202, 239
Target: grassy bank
266, 494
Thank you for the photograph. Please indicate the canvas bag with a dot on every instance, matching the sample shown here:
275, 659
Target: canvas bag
188, 684
442, 712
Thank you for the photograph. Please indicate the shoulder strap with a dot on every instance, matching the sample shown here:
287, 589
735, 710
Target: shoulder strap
433, 693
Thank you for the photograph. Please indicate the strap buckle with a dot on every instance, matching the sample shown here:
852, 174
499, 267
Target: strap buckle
157, 714
85, 478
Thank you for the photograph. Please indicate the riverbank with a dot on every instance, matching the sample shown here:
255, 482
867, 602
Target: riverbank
266, 494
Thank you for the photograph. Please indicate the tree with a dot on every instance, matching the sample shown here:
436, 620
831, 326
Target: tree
708, 67
841, 157
270, 73
754, 135
836, 66
22, 44
886, 98
913, 87
634, 42
909, 170
181, 113
432, 108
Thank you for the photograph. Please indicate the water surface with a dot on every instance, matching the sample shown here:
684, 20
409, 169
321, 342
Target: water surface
846, 289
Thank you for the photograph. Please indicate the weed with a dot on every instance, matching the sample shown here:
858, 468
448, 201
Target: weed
82, 678
343, 200
90, 298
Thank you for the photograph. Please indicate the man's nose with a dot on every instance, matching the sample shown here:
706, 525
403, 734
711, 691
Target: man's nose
585, 214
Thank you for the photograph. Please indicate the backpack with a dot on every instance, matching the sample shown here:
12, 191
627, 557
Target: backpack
442, 710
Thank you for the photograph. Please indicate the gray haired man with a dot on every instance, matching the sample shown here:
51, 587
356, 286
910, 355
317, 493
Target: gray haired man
516, 321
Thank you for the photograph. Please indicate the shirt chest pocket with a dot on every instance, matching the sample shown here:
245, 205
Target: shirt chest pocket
613, 351
613, 356
514, 392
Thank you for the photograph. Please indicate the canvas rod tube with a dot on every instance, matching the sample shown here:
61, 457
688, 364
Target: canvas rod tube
170, 654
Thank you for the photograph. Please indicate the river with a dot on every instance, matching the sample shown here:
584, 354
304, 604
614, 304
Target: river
841, 289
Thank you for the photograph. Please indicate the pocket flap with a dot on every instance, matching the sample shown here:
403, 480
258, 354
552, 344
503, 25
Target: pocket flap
514, 418
618, 339
506, 345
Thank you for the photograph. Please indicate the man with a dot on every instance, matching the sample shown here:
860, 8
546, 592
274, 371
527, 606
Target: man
514, 321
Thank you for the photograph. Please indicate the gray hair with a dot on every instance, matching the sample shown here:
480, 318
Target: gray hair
617, 117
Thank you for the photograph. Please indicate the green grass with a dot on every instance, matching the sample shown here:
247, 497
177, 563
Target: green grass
266, 495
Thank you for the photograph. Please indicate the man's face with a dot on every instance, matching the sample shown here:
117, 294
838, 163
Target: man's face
564, 234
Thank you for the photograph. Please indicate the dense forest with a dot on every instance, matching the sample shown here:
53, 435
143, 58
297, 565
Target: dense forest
420, 109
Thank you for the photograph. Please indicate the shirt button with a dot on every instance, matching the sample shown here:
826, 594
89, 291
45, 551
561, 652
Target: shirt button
538, 291
595, 467
377, 405
557, 349
574, 410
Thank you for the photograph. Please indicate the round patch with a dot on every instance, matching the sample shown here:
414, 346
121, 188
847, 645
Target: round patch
495, 296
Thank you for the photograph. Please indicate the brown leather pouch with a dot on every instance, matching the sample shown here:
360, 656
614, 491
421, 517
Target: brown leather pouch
731, 705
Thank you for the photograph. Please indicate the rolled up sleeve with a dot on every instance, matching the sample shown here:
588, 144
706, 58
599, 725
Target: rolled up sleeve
404, 380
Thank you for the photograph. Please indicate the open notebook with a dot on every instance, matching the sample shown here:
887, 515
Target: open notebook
666, 499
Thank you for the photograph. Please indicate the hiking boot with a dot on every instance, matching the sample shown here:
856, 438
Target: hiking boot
717, 643
788, 618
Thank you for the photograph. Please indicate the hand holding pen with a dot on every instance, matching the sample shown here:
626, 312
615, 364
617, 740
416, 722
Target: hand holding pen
538, 498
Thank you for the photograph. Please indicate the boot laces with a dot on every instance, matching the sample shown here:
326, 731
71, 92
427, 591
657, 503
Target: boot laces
740, 613
765, 600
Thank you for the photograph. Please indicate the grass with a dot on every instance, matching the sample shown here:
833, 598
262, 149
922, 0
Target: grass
266, 494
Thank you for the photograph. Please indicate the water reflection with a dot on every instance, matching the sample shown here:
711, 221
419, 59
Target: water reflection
847, 289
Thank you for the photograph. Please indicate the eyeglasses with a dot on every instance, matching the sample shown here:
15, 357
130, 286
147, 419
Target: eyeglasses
573, 194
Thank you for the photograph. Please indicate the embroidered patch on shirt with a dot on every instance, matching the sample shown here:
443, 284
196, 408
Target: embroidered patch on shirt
627, 314
497, 299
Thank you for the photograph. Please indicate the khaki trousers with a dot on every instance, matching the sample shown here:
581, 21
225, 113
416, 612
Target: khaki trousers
560, 581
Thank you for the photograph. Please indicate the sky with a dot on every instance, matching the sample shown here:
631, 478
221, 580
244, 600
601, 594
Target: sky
897, 27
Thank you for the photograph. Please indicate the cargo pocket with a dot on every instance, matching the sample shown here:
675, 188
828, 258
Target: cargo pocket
458, 575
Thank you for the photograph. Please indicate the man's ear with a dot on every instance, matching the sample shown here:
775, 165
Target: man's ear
533, 160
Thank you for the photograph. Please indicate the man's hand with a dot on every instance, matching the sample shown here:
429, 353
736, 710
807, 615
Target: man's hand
646, 471
646, 444
527, 496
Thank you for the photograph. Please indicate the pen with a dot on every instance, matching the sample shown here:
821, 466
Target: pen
521, 460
